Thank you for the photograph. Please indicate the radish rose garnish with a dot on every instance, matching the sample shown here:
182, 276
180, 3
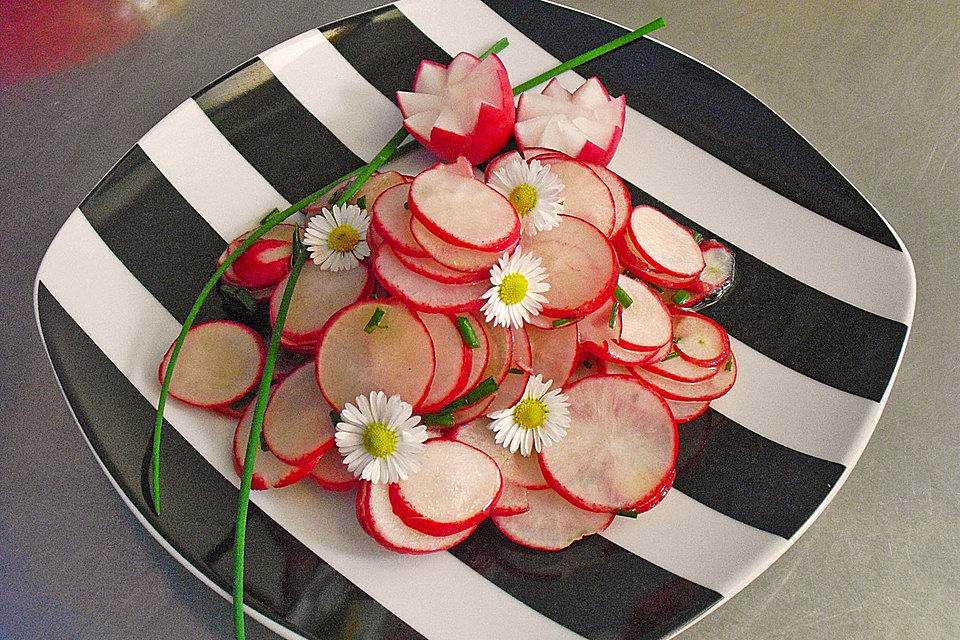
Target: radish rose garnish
534, 191
380, 439
337, 239
537, 421
519, 283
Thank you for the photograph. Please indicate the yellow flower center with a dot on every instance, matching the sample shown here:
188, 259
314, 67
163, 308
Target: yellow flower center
530, 413
523, 197
379, 440
343, 238
513, 288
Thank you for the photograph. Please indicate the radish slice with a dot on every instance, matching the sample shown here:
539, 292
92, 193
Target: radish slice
547, 323
521, 470
451, 355
472, 412
629, 357
716, 277
296, 425
390, 218
421, 292
269, 472
581, 267
463, 211
375, 186
686, 411
666, 245
500, 161
282, 233
620, 449
594, 332
513, 500
318, 294
396, 357
708, 389
622, 202
377, 518
515, 382
554, 352
435, 271
456, 258
331, 474
647, 324
585, 195
681, 370
585, 368
464, 109
613, 369
586, 124
501, 353
630, 257
551, 523
699, 339
456, 487
264, 264
219, 363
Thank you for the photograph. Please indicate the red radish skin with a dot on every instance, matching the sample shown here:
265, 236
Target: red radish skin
554, 352
581, 267
704, 390
686, 411
269, 472
524, 471
396, 358
622, 202
628, 357
435, 271
296, 424
463, 211
513, 501
700, 339
620, 448
421, 292
646, 323
667, 246
390, 218
456, 258
551, 523
219, 363
264, 264
452, 357
280, 233
376, 517
585, 195
331, 474
456, 487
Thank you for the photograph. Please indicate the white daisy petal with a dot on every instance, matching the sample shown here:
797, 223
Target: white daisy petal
502, 308
317, 237
528, 438
390, 458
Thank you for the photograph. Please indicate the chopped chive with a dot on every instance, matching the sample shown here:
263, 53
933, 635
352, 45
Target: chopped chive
517, 371
627, 514
563, 321
655, 287
374, 321
334, 417
476, 394
587, 364
240, 295
263, 442
269, 215
622, 297
613, 315
362, 201
497, 47
679, 296
729, 365
437, 420
406, 205
676, 340
671, 356
697, 237
467, 333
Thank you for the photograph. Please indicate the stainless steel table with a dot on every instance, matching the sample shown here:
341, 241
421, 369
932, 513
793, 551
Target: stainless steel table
874, 86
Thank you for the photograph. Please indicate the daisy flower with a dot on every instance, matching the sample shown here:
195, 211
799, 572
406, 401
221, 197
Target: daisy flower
519, 283
380, 439
537, 421
533, 190
337, 239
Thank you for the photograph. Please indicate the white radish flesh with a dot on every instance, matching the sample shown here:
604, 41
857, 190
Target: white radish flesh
318, 294
646, 322
622, 202
376, 516
269, 472
677, 368
331, 474
699, 339
521, 470
479, 357
515, 382
584, 195
390, 218
435, 271
686, 411
554, 352
666, 245
513, 500
296, 424
551, 523
421, 292
451, 355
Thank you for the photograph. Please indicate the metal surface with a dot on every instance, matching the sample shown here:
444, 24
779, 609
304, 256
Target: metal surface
874, 87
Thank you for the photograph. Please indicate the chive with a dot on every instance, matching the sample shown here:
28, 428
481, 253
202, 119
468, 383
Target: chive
476, 394
697, 237
671, 356
406, 205
613, 315
563, 321
587, 364
497, 47
679, 296
655, 287
362, 201
269, 215
590, 55
240, 295
622, 297
298, 250
517, 371
437, 420
334, 417
676, 340
374, 320
467, 333
627, 514
729, 365
263, 442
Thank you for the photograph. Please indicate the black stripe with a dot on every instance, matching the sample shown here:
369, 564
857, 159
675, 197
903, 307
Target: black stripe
283, 576
592, 587
750, 478
702, 106
157, 235
275, 132
385, 47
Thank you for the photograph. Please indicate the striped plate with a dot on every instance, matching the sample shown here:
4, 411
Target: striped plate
819, 318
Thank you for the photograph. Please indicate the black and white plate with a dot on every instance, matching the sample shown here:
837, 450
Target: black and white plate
819, 317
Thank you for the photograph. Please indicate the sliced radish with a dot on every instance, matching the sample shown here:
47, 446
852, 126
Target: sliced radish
586, 124
472, 412
631, 259
586, 367
554, 352
613, 369
620, 449
421, 292
501, 353
594, 332
464, 109
666, 245
622, 202
686, 411
219, 363
512, 501
463, 211
585, 195
547, 323
699, 339
264, 264
374, 187
681, 370
647, 324
452, 357
456, 487
581, 267
551, 523
377, 518
396, 357
269, 472
500, 161
717, 276
435, 271
521, 470
479, 357
456, 258
390, 218
331, 474
708, 389
628, 357
296, 425
515, 382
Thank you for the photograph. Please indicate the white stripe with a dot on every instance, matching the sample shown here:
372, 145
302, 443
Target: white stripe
698, 543
208, 172
785, 235
134, 331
